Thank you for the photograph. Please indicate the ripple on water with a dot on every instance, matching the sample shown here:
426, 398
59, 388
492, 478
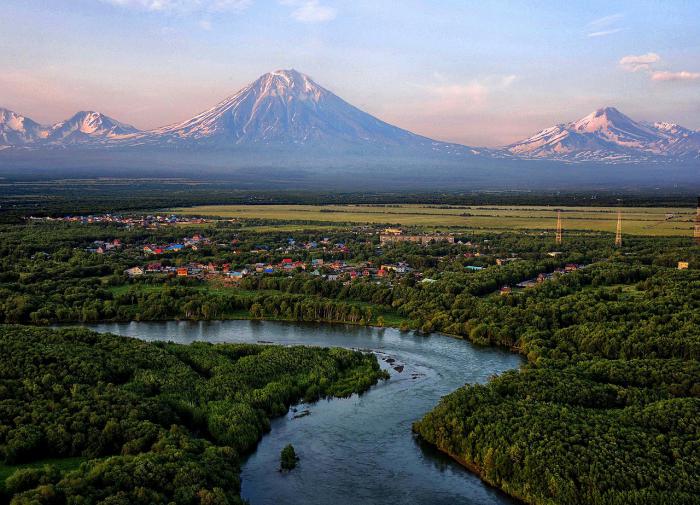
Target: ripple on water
357, 450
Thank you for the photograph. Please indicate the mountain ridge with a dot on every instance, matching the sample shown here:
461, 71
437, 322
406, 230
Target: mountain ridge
286, 109
608, 135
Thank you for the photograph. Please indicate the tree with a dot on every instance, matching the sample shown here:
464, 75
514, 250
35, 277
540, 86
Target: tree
288, 458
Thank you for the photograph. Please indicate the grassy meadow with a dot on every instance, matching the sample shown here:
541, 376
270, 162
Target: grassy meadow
656, 221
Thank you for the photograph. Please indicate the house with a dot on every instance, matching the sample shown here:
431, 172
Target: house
570, 267
527, 284
402, 267
134, 271
175, 247
683, 265
154, 267
474, 268
182, 272
505, 291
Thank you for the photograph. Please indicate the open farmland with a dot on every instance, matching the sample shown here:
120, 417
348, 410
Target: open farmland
636, 220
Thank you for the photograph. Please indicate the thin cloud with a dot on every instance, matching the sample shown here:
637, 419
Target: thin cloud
635, 63
310, 11
182, 6
604, 26
663, 75
603, 33
606, 20
473, 95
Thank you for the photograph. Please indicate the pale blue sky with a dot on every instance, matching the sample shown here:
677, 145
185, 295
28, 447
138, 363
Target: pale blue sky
476, 72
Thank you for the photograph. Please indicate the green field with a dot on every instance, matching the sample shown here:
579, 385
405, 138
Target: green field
636, 220
63, 464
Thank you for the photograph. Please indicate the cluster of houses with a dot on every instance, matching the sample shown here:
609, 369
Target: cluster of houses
104, 246
394, 235
568, 268
194, 243
149, 221
292, 245
336, 270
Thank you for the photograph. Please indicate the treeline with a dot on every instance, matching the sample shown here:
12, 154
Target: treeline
155, 422
90, 197
608, 409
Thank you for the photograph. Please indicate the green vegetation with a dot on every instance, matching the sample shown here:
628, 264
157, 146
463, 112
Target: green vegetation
288, 458
148, 422
658, 221
46, 277
605, 411
608, 408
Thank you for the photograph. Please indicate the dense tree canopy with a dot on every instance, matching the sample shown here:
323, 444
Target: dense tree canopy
155, 422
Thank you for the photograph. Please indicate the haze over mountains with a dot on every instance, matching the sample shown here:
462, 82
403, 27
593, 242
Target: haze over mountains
286, 110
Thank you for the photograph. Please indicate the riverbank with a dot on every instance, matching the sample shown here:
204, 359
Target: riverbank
346, 437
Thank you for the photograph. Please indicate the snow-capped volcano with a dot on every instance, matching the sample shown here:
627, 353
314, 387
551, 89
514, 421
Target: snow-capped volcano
87, 126
82, 128
17, 130
285, 107
287, 110
607, 134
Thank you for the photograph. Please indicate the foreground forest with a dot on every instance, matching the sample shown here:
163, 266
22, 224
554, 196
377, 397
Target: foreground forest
145, 422
605, 411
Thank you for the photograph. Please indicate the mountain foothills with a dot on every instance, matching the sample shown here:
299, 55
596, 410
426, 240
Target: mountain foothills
286, 109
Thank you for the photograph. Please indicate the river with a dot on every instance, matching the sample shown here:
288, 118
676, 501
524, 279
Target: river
357, 450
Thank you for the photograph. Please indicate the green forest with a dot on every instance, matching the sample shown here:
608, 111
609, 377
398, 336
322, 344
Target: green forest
147, 423
606, 409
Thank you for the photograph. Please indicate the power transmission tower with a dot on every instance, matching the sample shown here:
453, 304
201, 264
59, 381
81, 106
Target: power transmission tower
618, 232
558, 239
696, 234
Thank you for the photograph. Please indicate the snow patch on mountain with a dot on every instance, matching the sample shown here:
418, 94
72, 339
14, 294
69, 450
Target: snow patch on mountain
87, 126
608, 135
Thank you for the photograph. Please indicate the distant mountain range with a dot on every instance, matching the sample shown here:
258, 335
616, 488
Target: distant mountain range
609, 135
287, 110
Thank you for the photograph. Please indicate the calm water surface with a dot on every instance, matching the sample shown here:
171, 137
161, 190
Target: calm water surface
357, 450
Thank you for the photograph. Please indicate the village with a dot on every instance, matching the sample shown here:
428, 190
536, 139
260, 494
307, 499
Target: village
146, 221
323, 258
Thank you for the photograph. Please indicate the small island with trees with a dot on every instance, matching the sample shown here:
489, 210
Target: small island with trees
288, 458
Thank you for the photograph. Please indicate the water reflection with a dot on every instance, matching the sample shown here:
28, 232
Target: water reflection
357, 450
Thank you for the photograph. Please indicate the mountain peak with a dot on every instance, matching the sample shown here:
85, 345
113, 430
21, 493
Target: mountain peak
286, 82
86, 125
607, 134
602, 119
286, 107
